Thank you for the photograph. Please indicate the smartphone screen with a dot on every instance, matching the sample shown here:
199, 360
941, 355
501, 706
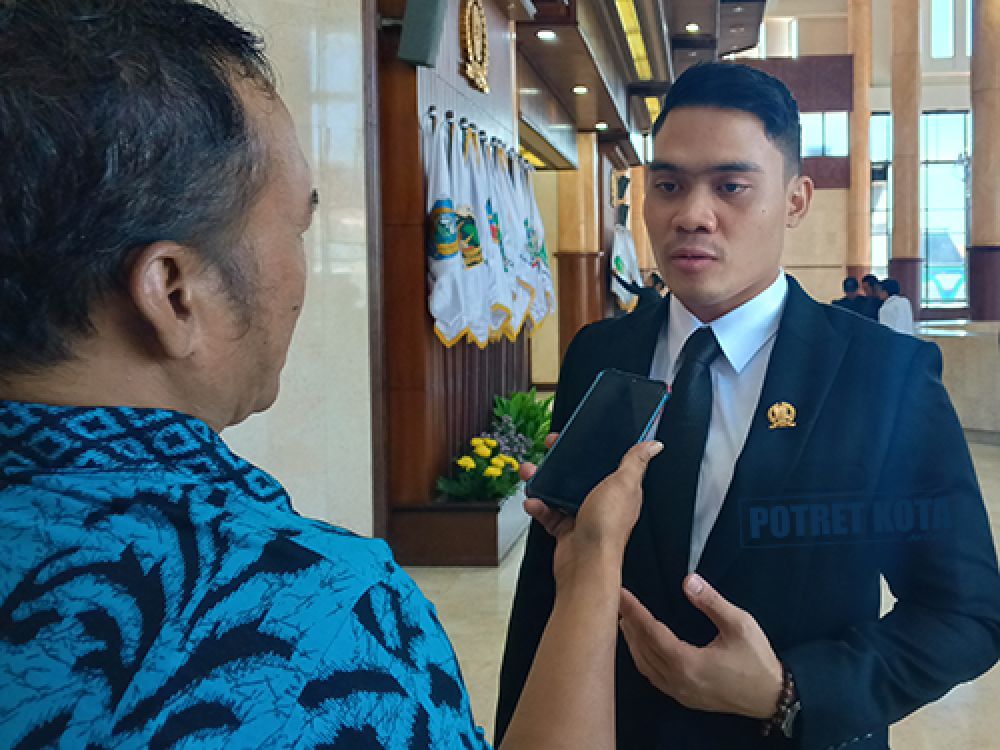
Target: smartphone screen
617, 412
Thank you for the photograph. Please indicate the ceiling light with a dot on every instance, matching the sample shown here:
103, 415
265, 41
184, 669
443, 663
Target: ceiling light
692, 54
692, 28
737, 29
738, 9
580, 90
601, 126
546, 35
530, 92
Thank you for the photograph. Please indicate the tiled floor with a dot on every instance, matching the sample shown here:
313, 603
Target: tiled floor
474, 604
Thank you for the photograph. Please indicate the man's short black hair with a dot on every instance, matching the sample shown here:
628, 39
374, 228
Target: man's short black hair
120, 125
871, 280
890, 285
728, 85
850, 284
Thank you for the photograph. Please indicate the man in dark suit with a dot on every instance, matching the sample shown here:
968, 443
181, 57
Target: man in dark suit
793, 476
856, 302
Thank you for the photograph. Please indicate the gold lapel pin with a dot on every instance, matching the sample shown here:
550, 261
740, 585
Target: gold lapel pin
782, 414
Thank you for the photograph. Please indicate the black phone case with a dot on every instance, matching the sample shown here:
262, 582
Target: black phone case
571, 507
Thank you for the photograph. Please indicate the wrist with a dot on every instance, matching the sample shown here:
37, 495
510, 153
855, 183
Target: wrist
593, 566
786, 708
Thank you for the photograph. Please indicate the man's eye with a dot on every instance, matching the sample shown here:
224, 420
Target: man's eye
666, 187
734, 188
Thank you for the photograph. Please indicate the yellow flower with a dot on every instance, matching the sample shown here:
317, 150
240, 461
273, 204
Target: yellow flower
514, 465
476, 442
490, 442
498, 461
467, 463
483, 451
492, 471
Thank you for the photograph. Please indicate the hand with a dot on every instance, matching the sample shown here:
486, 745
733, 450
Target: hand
736, 673
605, 519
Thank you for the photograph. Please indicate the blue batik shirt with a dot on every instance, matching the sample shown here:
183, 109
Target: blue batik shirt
158, 591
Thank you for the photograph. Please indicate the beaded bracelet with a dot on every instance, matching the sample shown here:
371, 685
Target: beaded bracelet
786, 699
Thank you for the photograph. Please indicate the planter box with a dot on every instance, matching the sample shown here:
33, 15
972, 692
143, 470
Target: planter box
458, 534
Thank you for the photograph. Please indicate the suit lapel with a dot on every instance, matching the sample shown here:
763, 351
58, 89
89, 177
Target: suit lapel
804, 362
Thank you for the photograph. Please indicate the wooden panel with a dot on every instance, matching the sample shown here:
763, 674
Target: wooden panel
984, 282
828, 172
908, 272
436, 398
582, 293
819, 83
445, 88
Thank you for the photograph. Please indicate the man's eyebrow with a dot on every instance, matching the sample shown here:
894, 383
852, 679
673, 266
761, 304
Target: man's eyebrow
722, 167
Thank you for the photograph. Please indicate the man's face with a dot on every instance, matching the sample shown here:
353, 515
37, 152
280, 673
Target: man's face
252, 347
718, 202
867, 288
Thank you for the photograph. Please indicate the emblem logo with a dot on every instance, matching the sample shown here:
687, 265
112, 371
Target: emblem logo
781, 415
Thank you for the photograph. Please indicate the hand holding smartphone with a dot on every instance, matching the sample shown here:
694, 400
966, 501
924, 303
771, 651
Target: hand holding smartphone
619, 410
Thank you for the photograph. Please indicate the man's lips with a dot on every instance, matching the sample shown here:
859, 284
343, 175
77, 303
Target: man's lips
693, 254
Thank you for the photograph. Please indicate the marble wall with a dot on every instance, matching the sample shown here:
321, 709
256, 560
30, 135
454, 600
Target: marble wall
317, 438
816, 251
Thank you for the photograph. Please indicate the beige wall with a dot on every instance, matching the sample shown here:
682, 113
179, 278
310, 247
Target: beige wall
823, 35
816, 252
545, 341
317, 438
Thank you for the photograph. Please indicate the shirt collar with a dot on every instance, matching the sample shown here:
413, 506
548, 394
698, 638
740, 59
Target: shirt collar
741, 332
41, 438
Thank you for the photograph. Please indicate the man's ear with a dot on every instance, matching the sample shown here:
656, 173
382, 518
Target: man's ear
165, 284
800, 193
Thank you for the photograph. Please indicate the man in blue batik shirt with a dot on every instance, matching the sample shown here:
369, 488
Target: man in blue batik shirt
156, 590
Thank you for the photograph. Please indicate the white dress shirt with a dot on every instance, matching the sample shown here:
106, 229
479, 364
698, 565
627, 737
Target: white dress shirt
746, 337
897, 313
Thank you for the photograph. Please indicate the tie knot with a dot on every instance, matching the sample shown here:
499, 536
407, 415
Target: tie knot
701, 347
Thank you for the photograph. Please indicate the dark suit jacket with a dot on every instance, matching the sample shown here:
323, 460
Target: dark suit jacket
881, 438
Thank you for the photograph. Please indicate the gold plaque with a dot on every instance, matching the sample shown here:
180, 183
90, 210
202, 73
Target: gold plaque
475, 44
782, 414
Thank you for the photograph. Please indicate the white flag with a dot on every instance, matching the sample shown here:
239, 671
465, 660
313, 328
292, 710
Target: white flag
475, 277
510, 241
444, 263
488, 224
625, 265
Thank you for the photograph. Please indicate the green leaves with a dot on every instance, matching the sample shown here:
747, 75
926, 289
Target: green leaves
531, 417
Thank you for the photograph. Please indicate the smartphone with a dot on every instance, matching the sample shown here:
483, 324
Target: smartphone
619, 410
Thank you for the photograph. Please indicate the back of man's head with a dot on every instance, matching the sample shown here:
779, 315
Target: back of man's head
850, 285
891, 286
870, 280
725, 85
120, 125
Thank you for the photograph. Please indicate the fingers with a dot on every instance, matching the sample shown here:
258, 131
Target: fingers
550, 439
655, 649
726, 616
554, 522
527, 470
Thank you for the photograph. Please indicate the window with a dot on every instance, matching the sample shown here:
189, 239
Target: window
942, 29
945, 143
825, 134
968, 27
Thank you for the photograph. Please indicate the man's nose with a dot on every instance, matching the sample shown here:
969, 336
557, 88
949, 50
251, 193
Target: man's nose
696, 212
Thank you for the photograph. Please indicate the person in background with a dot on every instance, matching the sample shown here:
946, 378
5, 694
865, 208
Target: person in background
869, 285
896, 310
852, 300
157, 590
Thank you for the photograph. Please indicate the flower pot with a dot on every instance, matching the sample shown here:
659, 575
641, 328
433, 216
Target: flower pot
464, 533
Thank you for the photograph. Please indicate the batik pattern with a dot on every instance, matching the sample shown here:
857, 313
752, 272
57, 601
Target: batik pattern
158, 591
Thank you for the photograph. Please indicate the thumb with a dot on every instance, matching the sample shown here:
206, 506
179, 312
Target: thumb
634, 463
726, 615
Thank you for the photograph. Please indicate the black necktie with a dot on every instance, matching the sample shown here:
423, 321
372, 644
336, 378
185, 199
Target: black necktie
683, 431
